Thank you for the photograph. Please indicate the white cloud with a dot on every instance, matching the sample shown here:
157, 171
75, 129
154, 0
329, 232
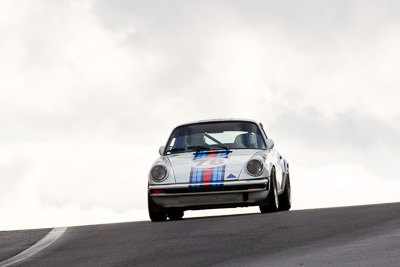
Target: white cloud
65, 73
340, 184
72, 185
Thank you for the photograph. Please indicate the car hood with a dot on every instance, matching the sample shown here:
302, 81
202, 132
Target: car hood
209, 166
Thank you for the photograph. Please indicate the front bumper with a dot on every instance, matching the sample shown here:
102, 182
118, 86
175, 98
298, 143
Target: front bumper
210, 195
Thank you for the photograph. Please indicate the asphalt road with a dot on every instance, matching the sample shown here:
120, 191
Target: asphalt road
350, 236
13, 242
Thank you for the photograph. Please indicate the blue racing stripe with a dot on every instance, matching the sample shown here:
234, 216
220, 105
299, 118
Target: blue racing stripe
197, 176
201, 175
220, 173
214, 174
223, 172
191, 176
196, 173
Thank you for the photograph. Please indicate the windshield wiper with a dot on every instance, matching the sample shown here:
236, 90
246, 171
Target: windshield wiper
199, 148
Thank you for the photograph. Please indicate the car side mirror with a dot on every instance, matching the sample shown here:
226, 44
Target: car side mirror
161, 150
270, 144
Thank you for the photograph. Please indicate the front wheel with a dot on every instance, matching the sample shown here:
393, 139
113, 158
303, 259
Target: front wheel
156, 213
272, 198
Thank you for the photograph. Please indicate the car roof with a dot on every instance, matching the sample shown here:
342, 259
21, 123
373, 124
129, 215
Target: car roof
217, 120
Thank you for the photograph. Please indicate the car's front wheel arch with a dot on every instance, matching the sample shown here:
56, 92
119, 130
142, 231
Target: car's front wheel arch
156, 213
271, 203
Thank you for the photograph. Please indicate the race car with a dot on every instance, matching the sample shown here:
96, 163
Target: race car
219, 163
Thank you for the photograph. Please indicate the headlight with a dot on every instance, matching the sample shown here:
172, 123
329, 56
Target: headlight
158, 173
254, 167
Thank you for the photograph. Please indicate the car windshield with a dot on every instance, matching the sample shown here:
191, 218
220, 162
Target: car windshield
214, 136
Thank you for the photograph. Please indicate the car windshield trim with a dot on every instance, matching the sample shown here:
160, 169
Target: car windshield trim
227, 135
206, 151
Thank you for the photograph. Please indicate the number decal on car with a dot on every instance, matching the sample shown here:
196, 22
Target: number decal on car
209, 162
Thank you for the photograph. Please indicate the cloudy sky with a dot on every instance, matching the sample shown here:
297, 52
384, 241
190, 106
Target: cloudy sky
90, 89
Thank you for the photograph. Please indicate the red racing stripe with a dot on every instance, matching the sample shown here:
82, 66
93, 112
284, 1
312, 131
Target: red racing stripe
211, 154
207, 175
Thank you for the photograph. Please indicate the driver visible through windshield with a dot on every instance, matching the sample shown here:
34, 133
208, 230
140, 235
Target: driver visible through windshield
215, 136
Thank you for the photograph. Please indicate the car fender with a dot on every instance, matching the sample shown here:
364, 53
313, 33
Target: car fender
274, 160
170, 171
285, 166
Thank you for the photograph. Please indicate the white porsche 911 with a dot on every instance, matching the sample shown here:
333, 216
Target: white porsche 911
218, 164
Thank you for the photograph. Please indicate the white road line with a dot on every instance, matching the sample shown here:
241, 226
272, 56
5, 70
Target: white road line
46, 241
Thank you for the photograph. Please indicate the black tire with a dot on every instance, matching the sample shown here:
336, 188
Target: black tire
272, 200
285, 199
156, 213
175, 214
